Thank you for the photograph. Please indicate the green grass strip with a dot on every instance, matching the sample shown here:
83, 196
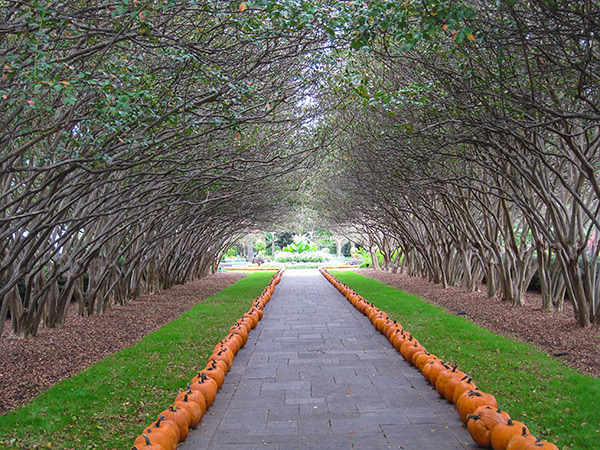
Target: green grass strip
555, 401
107, 405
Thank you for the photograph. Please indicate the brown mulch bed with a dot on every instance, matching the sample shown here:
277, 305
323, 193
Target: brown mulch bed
30, 366
554, 332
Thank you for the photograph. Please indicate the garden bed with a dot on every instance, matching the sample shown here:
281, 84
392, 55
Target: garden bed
32, 365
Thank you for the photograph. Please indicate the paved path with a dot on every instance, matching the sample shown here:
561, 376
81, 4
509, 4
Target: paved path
315, 374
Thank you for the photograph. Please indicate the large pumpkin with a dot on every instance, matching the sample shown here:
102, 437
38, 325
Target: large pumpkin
481, 423
146, 444
181, 417
503, 433
543, 445
523, 441
420, 359
435, 370
445, 377
196, 412
192, 396
164, 432
408, 349
462, 387
471, 400
207, 386
215, 372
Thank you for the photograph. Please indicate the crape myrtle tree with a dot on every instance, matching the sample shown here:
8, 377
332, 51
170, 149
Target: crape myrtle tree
137, 139
479, 150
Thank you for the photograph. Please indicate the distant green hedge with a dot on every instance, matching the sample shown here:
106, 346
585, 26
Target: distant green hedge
301, 257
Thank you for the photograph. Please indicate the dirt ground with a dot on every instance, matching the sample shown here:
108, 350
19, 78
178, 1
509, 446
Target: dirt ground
30, 366
554, 332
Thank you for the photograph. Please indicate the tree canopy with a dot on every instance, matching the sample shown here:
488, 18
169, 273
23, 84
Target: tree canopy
140, 139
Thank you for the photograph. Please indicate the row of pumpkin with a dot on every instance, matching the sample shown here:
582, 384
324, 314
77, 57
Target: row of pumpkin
489, 426
173, 424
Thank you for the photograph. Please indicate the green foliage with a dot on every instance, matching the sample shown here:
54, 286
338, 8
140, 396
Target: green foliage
284, 239
107, 405
233, 251
555, 401
360, 23
367, 261
299, 247
302, 257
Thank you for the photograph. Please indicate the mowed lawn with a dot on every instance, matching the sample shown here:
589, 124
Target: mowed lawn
107, 405
556, 402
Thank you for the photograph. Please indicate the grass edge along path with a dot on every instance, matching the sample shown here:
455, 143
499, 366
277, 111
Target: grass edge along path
556, 402
107, 405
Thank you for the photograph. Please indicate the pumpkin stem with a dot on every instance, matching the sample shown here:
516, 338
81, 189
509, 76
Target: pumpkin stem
524, 433
510, 422
147, 440
159, 421
473, 416
185, 398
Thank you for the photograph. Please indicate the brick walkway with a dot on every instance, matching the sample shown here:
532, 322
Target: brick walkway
315, 374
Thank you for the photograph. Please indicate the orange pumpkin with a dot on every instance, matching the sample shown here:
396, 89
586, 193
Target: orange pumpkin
146, 444
420, 359
471, 400
215, 372
481, 423
451, 385
445, 377
461, 388
196, 412
543, 445
433, 370
207, 386
163, 432
192, 396
408, 349
523, 441
181, 417
504, 432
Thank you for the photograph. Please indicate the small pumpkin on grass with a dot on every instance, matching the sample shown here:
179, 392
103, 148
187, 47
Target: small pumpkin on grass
206, 386
181, 417
196, 412
147, 444
523, 441
444, 377
224, 354
471, 400
543, 445
433, 368
398, 338
420, 359
481, 423
462, 387
212, 370
163, 432
241, 332
504, 432
192, 396
408, 351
